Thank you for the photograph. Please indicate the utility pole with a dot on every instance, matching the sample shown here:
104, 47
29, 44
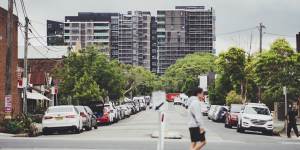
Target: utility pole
25, 67
8, 67
260, 27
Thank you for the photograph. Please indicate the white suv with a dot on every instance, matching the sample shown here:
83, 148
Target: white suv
255, 117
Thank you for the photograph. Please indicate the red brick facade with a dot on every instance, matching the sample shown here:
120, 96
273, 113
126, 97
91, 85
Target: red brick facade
16, 103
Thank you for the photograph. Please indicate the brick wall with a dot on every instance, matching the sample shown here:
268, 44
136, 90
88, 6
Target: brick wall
3, 47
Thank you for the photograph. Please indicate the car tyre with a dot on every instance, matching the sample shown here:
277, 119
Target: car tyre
46, 132
77, 130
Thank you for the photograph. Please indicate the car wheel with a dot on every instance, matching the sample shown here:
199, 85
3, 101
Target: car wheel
77, 131
46, 132
96, 126
270, 133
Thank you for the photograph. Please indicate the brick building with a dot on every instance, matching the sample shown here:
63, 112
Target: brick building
16, 104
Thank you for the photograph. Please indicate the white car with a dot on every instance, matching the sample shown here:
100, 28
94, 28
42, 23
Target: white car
65, 117
211, 111
255, 117
177, 101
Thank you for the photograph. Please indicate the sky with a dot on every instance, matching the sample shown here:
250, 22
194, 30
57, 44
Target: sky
281, 17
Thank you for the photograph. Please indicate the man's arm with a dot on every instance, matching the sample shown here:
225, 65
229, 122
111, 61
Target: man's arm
198, 115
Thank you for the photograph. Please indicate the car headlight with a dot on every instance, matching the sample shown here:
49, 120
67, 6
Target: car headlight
247, 118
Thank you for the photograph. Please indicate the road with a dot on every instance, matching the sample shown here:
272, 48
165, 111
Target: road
134, 134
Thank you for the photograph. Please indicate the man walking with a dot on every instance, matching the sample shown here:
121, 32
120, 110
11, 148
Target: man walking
195, 123
292, 122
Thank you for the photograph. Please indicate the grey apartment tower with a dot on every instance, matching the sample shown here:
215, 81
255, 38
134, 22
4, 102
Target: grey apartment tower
137, 38
89, 29
298, 42
185, 30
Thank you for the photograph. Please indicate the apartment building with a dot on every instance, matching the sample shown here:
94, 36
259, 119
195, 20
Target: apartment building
89, 29
185, 30
55, 33
298, 42
153, 43
134, 38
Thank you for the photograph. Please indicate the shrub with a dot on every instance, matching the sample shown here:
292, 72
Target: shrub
14, 127
233, 98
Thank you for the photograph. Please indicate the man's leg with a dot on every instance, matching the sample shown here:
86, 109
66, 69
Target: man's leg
200, 145
193, 144
295, 129
289, 130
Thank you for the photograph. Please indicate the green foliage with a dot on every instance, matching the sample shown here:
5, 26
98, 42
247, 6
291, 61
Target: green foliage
88, 76
20, 124
14, 127
276, 68
86, 89
232, 64
183, 75
233, 98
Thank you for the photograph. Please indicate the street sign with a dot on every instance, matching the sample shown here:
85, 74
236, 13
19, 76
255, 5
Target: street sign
8, 104
284, 90
203, 82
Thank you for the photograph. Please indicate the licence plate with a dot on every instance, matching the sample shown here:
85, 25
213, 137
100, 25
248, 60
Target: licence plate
58, 118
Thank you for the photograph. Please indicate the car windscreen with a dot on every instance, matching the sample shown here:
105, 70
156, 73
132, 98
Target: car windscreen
60, 109
80, 108
235, 108
257, 110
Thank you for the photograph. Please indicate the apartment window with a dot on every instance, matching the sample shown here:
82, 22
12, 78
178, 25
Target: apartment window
75, 25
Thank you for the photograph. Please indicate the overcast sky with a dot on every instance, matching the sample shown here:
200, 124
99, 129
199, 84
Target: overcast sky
279, 16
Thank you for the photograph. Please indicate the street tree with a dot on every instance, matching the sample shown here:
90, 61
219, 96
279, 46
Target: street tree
183, 75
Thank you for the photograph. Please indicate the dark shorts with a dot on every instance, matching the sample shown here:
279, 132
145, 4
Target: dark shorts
196, 136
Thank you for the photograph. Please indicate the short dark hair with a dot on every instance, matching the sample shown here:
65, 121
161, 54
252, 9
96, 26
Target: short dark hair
197, 91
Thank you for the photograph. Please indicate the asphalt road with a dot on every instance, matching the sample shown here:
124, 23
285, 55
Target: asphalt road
134, 134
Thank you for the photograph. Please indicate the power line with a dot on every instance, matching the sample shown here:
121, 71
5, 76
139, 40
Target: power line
237, 31
52, 59
276, 34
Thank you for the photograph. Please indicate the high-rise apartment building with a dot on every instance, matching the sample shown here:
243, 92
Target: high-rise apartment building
153, 43
89, 29
134, 38
298, 42
55, 33
185, 30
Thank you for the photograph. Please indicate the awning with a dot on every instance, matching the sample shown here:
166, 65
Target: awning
36, 96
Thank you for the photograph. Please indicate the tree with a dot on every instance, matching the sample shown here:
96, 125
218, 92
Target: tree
233, 98
276, 68
183, 75
87, 90
232, 64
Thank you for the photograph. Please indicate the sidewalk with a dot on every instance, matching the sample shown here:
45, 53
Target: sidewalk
279, 128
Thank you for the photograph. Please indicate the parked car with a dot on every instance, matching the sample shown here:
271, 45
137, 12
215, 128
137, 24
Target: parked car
86, 118
92, 116
177, 101
98, 110
65, 117
126, 109
211, 111
255, 117
219, 114
231, 118
111, 111
204, 108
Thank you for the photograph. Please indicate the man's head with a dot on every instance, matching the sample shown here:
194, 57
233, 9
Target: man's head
199, 93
